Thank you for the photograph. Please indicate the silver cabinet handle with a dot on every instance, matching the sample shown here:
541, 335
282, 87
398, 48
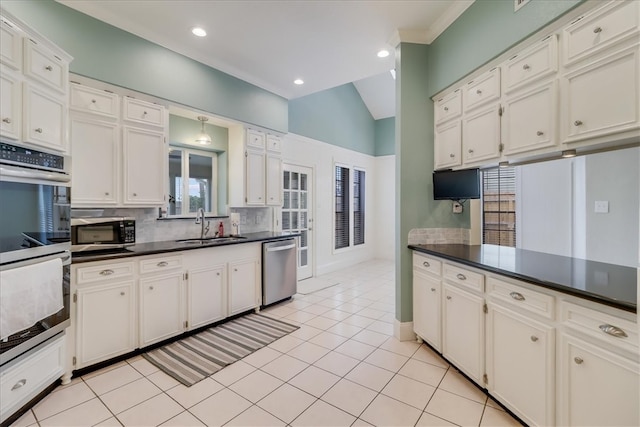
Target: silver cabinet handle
433, 289
517, 296
526, 67
470, 150
426, 264
144, 113
448, 297
446, 108
150, 288
218, 273
534, 338
613, 330
452, 155
539, 133
162, 264
106, 193
461, 276
235, 269
577, 123
122, 293
19, 384
135, 194
48, 68
578, 360
39, 130
93, 101
597, 30
7, 120
106, 272
479, 92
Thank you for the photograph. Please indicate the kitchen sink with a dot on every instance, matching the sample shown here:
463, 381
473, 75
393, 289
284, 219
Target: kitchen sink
211, 240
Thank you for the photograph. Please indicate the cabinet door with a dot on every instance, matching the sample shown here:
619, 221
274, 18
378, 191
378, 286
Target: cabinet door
105, 322
10, 102
463, 331
255, 185
45, 66
448, 145
95, 153
10, 45
603, 98
44, 119
161, 308
520, 364
243, 286
144, 166
597, 387
206, 293
529, 120
426, 308
481, 135
274, 180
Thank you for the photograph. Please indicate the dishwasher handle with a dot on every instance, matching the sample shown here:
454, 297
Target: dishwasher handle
281, 248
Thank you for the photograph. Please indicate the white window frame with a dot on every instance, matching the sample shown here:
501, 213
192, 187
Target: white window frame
351, 245
185, 179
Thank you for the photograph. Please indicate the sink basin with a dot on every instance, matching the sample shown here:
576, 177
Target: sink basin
210, 240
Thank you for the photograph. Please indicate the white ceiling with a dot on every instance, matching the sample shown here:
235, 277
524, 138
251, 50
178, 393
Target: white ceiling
271, 43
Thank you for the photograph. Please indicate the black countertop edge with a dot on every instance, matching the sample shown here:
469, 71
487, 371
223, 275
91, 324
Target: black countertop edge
523, 261
151, 248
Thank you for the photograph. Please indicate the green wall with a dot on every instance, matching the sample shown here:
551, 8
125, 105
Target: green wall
385, 136
337, 116
109, 54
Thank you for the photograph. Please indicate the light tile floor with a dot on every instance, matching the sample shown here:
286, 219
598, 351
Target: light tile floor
343, 367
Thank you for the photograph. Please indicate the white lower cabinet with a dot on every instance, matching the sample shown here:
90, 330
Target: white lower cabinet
161, 308
520, 364
206, 295
244, 293
426, 308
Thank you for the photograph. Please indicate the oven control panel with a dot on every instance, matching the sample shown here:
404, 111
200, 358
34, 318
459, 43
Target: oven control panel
21, 156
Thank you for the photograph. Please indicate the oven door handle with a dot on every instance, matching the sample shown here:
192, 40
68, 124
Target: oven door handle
27, 174
65, 256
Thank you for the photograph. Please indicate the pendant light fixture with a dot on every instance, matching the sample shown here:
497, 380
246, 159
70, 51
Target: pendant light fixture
203, 138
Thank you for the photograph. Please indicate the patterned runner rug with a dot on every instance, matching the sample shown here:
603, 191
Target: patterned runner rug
196, 357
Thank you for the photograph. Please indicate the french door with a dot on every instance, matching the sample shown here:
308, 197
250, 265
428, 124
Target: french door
297, 213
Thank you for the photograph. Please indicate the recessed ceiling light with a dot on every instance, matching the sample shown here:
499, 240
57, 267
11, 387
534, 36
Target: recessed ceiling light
197, 31
383, 53
298, 82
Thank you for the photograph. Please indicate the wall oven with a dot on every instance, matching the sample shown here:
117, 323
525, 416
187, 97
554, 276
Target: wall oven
35, 245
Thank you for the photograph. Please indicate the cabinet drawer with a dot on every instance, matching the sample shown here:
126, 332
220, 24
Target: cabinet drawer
45, 66
274, 143
84, 98
10, 45
611, 24
448, 107
139, 111
255, 139
21, 382
483, 89
614, 330
104, 272
156, 265
525, 299
539, 61
464, 277
426, 264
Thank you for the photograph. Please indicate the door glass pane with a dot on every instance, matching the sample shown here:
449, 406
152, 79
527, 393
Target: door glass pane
285, 200
175, 181
286, 180
303, 258
294, 220
200, 179
294, 181
303, 239
286, 223
303, 200
303, 181
294, 200
303, 219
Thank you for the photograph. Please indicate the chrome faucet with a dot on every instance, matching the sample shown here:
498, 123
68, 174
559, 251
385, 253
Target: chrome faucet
200, 220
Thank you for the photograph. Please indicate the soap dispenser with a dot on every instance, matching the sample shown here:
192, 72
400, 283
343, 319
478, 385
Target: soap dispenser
220, 229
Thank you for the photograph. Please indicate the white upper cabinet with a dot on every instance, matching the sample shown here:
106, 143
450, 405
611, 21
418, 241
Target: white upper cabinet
533, 64
45, 118
448, 145
45, 66
143, 112
94, 101
481, 135
143, 185
448, 107
482, 90
10, 45
10, 104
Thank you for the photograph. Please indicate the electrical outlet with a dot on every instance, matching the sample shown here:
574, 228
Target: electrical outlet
457, 208
601, 206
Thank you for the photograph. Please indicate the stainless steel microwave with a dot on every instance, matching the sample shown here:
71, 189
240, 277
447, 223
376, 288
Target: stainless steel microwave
91, 234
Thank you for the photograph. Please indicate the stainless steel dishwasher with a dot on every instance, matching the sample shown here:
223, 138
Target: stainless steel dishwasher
279, 270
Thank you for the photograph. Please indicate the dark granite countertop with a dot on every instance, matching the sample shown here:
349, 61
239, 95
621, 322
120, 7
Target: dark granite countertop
150, 248
609, 284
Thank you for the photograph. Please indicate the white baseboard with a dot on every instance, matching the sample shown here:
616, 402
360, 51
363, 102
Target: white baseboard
403, 331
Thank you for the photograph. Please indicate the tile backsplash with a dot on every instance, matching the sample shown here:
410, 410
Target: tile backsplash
425, 236
151, 229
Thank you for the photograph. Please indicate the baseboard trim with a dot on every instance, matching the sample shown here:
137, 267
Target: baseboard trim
403, 331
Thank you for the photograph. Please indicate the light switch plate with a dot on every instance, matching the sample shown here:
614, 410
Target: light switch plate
601, 206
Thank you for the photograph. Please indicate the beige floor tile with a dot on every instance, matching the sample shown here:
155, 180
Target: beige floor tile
361, 423
256, 385
261, 357
454, 382
428, 420
336, 314
316, 309
348, 307
312, 298
280, 311
371, 313
63, 400
355, 349
255, 417
492, 403
387, 360
287, 402
425, 354
328, 340
344, 329
404, 348
113, 379
184, 419
383, 306
308, 352
162, 380
358, 320
189, 396
25, 420
299, 316
389, 318
284, 367
381, 327
154, 411
370, 337
424, 372
103, 370
232, 373
496, 418
330, 303
321, 322
409, 391
220, 408
349, 396
74, 381
370, 376
337, 363
111, 422
143, 366
306, 332
314, 381
285, 343
323, 414
86, 414
129, 395
297, 304
385, 411
455, 409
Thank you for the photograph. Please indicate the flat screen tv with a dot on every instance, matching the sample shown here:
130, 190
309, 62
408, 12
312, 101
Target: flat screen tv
456, 185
